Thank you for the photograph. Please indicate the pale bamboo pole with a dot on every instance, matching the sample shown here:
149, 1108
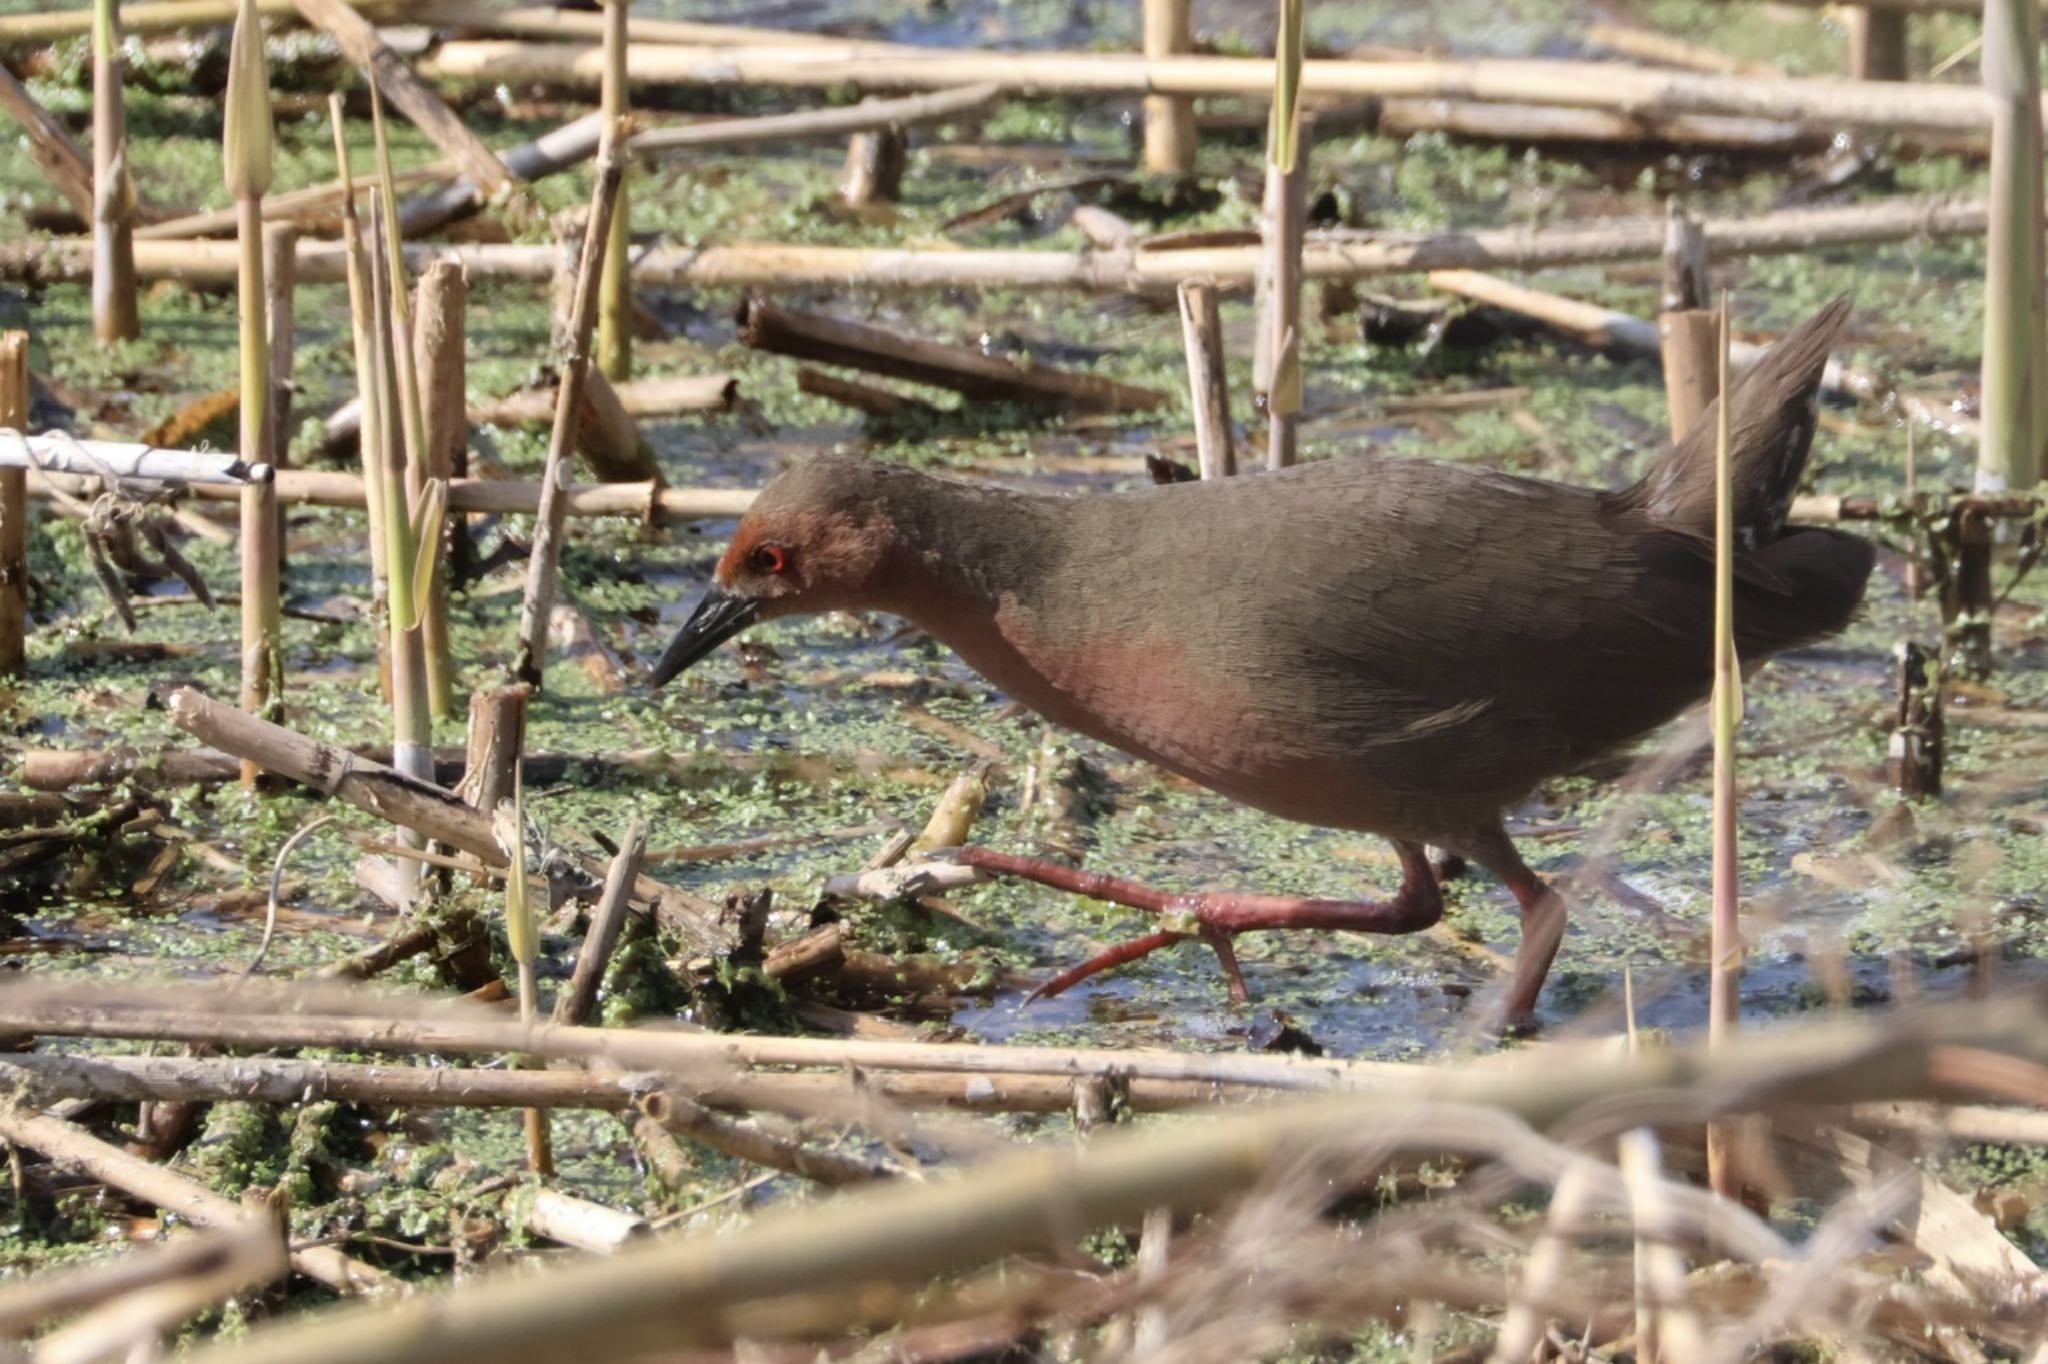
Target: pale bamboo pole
13, 509
615, 301
248, 161
1687, 330
1724, 1007
530, 662
2008, 456
115, 314
1277, 361
1170, 141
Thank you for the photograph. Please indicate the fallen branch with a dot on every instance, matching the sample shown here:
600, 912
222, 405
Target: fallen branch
831, 341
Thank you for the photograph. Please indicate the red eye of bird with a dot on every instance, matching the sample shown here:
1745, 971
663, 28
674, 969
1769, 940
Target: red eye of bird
771, 559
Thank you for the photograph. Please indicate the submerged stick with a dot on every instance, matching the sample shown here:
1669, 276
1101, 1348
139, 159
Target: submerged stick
529, 662
13, 508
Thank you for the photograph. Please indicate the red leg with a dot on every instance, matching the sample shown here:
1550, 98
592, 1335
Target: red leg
1542, 930
1216, 917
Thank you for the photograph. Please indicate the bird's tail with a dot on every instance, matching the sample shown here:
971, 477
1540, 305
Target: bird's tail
1776, 406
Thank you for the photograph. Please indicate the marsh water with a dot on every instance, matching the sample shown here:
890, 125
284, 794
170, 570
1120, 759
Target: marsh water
816, 727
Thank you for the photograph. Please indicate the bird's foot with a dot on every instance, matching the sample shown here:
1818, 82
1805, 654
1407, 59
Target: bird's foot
1216, 918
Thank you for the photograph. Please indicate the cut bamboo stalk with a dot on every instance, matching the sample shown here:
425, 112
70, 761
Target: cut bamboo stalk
2014, 370
66, 457
13, 508
615, 298
1724, 1004
530, 660
1967, 595
1877, 43
579, 1223
411, 803
875, 160
607, 919
441, 342
55, 260
76, 1149
247, 162
280, 286
497, 738
50, 142
609, 438
1568, 84
388, 72
867, 116
1201, 330
1685, 263
468, 496
1105, 230
115, 313
1169, 120
155, 16
869, 398
831, 341
1690, 342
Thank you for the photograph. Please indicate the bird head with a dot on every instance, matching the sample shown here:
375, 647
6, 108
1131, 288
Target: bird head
816, 539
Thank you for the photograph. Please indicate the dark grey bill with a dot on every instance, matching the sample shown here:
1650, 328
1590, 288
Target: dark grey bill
719, 617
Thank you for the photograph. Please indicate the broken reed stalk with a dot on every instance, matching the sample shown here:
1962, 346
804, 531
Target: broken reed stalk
615, 299
494, 758
13, 509
875, 162
1283, 221
1687, 331
280, 283
369, 397
867, 116
413, 803
115, 314
530, 661
522, 936
1169, 119
579, 997
1201, 331
74, 1148
50, 142
2015, 369
390, 78
1724, 1007
440, 343
248, 161
833, 341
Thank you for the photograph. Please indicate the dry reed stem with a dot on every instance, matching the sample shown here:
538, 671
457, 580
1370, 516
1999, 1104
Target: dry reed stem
115, 313
32, 1300
607, 920
868, 116
529, 663
1201, 325
14, 399
614, 353
1326, 257
50, 142
1170, 141
1724, 1005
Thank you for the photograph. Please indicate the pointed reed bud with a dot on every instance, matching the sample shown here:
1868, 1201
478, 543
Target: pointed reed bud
246, 150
